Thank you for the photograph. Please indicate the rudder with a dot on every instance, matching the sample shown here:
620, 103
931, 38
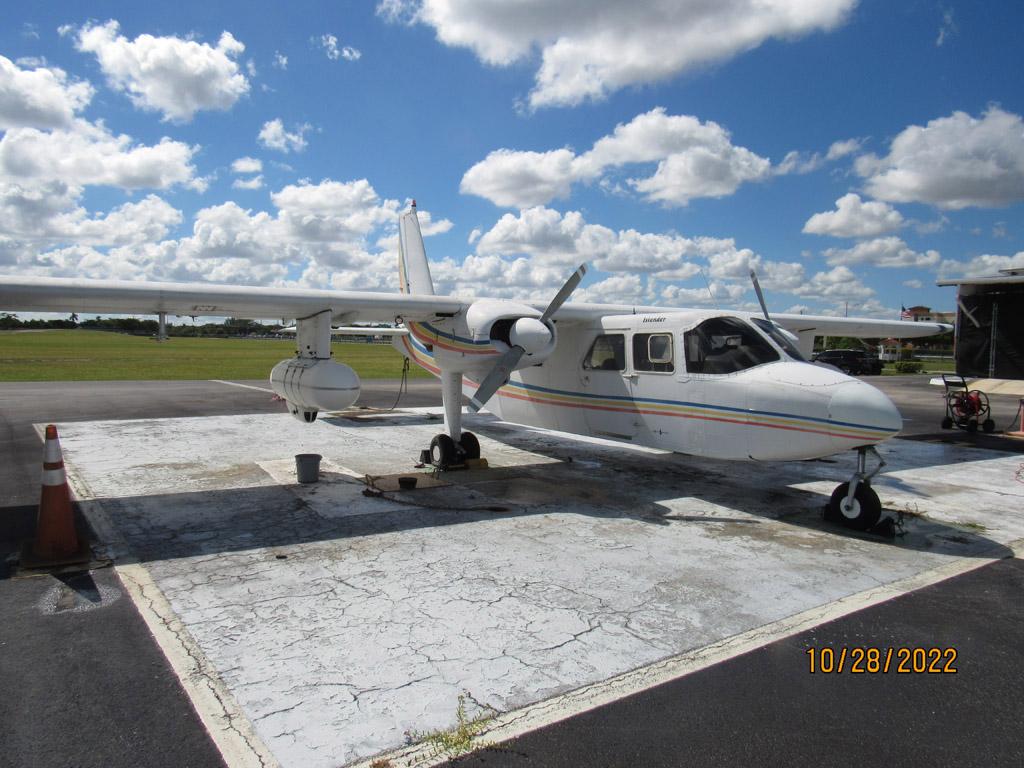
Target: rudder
413, 270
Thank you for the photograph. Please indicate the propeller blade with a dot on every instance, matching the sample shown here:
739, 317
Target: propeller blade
497, 378
499, 374
760, 296
564, 293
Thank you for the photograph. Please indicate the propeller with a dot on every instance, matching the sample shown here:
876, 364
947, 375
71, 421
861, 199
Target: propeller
497, 377
760, 296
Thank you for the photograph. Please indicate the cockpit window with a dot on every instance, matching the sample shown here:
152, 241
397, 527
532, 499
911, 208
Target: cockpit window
779, 338
725, 345
607, 353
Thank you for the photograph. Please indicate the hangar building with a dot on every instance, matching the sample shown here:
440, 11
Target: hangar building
990, 325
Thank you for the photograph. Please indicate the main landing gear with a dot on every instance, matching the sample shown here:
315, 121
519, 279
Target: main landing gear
445, 453
855, 504
456, 447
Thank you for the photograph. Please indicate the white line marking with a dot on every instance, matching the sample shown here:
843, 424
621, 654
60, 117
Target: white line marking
517, 722
244, 386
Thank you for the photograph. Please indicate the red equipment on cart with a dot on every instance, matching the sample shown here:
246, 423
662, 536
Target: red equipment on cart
965, 408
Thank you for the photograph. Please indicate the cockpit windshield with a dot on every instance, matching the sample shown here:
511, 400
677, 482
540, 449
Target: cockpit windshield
725, 345
779, 338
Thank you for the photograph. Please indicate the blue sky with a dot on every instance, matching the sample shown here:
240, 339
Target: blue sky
851, 152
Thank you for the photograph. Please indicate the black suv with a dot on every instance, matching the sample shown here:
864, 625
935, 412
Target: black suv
856, 362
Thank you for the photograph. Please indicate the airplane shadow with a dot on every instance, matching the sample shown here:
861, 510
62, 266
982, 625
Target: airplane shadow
598, 480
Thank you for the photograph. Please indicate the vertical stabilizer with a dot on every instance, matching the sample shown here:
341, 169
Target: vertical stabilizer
413, 271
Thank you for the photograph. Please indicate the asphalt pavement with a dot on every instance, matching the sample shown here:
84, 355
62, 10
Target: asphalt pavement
86, 685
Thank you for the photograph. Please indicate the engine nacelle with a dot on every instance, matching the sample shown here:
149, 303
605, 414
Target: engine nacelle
311, 385
507, 324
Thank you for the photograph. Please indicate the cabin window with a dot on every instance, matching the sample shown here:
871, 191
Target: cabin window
779, 338
653, 352
725, 345
607, 353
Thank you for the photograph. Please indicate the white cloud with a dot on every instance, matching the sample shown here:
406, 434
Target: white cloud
280, 60
694, 159
838, 284
953, 162
330, 45
273, 136
564, 241
980, 266
883, 252
915, 284
854, 218
521, 179
617, 289
474, 235
247, 165
840, 149
51, 212
803, 163
168, 74
39, 97
254, 182
592, 48
88, 154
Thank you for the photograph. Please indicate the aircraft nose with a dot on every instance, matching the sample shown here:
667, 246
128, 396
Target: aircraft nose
861, 414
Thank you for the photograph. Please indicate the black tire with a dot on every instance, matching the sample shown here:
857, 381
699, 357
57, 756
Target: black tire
972, 426
947, 423
865, 511
847, 370
443, 453
988, 425
470, 445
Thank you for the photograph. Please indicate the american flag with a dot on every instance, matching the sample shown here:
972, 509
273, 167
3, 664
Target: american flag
905, 314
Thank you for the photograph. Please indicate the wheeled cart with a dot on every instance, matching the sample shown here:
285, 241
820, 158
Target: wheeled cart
965, 409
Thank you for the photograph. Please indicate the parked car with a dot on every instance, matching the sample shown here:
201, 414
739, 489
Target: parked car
856, 362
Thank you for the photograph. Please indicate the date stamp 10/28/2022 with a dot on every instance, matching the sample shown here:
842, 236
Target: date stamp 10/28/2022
871, 661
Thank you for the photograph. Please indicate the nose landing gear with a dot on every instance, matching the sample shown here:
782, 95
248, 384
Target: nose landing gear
855, 504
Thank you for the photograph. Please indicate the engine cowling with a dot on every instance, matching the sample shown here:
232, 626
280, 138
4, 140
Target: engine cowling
311, 385
507, 324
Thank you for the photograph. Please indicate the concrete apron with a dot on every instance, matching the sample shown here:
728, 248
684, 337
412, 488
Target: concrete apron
316, 626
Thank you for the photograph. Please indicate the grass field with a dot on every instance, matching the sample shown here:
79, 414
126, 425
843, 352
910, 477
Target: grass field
79, 355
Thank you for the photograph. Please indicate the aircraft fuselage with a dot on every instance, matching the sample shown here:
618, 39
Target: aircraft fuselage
701, 383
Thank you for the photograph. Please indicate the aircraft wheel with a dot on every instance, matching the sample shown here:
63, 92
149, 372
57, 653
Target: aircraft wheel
947, 423
864, 510
470, 445
443, 452
988, 425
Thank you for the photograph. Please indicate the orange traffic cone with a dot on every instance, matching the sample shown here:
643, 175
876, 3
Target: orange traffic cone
56, 541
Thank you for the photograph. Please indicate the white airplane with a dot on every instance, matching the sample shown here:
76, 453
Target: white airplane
719, 384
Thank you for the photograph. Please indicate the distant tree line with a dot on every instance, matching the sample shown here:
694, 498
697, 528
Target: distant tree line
135, 326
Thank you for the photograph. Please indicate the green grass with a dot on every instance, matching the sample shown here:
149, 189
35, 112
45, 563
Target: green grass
929, 366
79, 355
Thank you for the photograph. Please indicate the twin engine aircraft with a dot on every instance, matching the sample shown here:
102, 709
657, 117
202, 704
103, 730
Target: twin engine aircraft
724, 385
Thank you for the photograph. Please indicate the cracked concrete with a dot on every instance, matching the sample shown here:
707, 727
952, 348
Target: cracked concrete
338, 621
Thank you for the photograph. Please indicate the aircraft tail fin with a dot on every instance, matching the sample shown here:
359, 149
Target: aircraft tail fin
413, 270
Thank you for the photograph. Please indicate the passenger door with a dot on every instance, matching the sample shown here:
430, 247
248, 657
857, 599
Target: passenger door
606, 397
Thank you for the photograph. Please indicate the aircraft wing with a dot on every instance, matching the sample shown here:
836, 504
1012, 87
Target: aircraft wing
55, 294
858, 327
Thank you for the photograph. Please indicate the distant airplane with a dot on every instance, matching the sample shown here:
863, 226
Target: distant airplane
719, 384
